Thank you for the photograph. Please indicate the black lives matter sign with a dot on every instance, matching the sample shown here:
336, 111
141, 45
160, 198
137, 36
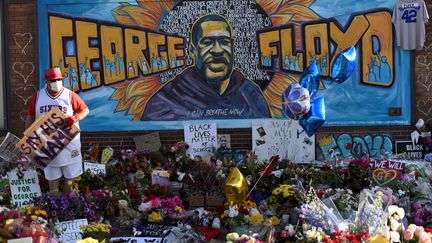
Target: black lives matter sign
415, 151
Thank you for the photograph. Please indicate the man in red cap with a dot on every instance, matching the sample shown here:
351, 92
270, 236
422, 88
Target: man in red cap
69, 162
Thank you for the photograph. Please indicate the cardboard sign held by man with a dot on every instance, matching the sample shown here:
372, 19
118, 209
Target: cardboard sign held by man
47, 137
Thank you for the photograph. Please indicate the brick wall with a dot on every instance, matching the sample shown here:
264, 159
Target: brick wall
21, 63
21, 21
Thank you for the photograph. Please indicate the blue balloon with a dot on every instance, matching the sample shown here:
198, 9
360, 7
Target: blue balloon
344, 65
310, 80
314, 118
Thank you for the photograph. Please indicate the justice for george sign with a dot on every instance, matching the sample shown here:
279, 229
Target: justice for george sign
47, 137
24, 188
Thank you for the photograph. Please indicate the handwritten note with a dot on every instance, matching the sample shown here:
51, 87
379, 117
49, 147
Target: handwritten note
201, 139
47, 137
284, 138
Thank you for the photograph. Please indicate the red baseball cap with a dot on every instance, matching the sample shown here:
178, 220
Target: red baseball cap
54, 74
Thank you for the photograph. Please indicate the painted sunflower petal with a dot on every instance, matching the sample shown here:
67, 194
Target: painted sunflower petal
280, 19
303, 13
269, 6
299, 2
137, 16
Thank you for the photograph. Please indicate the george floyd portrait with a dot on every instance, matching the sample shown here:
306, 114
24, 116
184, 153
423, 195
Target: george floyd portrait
212, 88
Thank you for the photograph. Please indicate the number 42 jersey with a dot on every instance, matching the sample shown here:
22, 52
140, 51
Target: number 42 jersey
409, 17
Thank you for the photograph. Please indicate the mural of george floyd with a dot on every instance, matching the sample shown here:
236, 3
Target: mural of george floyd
154, 65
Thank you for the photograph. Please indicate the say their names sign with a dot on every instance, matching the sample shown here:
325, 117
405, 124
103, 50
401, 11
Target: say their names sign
47, 137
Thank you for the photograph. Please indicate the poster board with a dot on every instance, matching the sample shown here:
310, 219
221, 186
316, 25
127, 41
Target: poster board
70, 230
201, 138
284, 138
24, 187
47, 137
8, 150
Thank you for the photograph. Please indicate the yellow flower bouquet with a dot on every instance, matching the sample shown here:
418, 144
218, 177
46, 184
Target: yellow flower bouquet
98, 231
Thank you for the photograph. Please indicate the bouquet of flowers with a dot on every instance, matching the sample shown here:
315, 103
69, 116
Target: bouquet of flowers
156, 208
346, 236
284, 196
67, 207
343, 200
416, 233
98, 231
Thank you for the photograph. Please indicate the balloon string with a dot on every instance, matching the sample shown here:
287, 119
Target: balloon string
258, 180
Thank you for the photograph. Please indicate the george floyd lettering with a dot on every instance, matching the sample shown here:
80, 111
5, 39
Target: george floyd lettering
47, 137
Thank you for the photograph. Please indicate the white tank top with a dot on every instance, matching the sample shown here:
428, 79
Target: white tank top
44, 103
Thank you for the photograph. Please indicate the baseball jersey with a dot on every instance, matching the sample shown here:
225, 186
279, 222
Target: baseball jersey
69, 103
409, 17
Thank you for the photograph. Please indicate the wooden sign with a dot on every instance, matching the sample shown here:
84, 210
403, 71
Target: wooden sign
415, 151
94, 168
24, 188
47, 137
8, 151
70, 230
386, 171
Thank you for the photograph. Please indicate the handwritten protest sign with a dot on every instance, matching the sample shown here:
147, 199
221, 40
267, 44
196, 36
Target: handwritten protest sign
24, 187
70, 230
47, 137
8, 151
201, 139
284, 138
148, 142
385, 171
95, 168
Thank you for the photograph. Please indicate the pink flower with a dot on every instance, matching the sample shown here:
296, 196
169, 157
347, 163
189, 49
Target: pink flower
156, 203
418, 231
408, 234
424, 237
